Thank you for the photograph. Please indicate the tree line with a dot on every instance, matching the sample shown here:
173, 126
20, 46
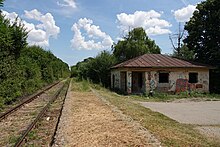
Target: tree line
24, 68
201, 44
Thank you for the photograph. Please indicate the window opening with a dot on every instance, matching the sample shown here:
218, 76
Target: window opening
163, 77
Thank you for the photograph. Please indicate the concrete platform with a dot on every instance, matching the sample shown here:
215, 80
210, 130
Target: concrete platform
201, 113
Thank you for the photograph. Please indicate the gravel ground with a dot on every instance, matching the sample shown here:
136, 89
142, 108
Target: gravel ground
87, 121
205, 114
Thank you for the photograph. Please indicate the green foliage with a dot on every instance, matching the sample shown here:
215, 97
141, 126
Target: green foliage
83, 68
1, 103
80, 85
12, 41
204, 38
85, 85
101, 68
1, 3
39, 67
184, 53
96, 69
30, 73
136, 43
204, 32
23, 69
74, 72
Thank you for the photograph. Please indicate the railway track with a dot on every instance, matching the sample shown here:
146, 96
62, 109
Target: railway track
16, 124
28, 100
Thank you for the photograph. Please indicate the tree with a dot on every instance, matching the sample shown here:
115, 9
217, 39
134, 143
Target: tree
74, 72
24, 69
101, 67
180, 50
204, 32
136, 43
184, 53
95, 69
204, 38
12, 41
1, 3
83, 68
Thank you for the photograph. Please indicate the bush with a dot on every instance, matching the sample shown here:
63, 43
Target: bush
23, 68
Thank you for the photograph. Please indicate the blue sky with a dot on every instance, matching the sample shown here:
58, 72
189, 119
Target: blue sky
76, 29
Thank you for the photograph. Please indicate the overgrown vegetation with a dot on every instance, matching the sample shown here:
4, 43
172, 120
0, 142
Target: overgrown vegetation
80, 85
95, 69
168, 131
23, 68
136, 43
164, 97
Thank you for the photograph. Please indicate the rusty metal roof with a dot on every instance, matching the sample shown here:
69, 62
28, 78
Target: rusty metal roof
158, 61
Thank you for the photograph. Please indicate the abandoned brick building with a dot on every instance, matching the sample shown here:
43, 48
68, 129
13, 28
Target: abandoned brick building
162, 73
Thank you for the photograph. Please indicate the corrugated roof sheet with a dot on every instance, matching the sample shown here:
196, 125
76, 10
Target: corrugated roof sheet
158, 60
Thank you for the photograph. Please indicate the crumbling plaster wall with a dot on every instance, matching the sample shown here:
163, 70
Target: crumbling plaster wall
116, 80
178, 81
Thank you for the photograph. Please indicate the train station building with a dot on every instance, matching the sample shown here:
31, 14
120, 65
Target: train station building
162, 73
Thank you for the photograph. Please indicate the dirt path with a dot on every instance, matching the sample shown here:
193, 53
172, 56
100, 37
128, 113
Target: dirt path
88, 121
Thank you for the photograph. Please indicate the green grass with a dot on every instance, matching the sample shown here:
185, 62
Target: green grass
1, 103
168, 131
13, 139
32, 135
82, 86
163, 97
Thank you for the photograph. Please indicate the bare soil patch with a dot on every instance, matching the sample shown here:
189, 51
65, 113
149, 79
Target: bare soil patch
87, 121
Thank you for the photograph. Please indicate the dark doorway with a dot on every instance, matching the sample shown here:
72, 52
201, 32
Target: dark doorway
123, 81
113, 81
137, 82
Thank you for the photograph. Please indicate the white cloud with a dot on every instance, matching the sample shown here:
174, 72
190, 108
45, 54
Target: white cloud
184, 2
184, 14
10, 16
98, 39
47, 22
39, 34
150, 21
67, 3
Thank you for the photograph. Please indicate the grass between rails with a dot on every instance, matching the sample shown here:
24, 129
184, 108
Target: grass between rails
43, 131
168, 131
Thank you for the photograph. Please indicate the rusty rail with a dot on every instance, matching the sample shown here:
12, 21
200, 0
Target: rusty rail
21, 139
2, 116
60, 113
